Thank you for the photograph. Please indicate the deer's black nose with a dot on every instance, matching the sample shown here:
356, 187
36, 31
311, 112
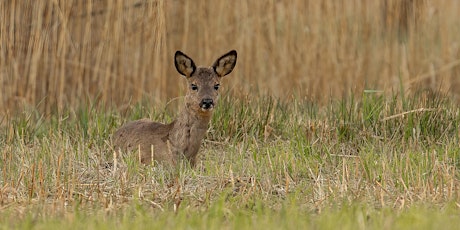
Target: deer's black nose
207, 103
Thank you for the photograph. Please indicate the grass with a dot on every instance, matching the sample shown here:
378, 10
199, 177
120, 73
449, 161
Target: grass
219, 216
377, 162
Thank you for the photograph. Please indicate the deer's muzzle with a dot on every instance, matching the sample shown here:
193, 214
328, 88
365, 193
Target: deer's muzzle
207, 104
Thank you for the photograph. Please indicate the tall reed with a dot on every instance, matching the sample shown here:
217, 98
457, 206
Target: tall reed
57, 53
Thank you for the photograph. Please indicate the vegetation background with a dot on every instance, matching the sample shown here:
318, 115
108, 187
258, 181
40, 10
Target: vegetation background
56, 53
339, 114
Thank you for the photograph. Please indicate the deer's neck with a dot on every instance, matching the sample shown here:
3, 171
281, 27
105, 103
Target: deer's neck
188, 130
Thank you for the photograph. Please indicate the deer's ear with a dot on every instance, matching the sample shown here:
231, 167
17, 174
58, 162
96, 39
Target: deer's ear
184, 64
225, 64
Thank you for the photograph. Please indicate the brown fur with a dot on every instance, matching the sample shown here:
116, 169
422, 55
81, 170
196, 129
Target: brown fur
181, 139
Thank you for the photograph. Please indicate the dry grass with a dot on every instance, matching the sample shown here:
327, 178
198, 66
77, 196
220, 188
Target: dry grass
271, 162
56, 53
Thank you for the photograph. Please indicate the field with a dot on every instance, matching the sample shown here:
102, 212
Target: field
339, 115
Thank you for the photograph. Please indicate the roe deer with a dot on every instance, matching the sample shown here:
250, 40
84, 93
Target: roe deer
181, 139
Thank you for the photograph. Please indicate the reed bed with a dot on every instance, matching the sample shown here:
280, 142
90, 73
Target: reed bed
59, 53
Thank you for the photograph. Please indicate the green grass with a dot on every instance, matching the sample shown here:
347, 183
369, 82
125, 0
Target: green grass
383, 162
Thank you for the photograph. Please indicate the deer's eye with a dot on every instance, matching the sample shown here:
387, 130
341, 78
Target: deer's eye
216, 86
194, 87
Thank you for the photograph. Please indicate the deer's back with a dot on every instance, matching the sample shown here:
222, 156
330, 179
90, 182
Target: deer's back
150, 138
